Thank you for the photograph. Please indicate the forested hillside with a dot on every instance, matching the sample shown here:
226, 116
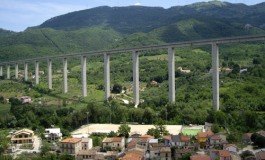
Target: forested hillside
111, 27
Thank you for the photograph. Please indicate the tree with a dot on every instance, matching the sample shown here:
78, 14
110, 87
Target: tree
245, 154
215, 128
153, 132
258, 140
117, 88
124, 130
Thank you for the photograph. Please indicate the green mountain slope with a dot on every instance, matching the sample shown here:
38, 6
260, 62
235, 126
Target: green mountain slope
118, 27
41, 42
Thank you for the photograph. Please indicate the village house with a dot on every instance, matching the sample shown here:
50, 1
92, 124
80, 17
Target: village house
180, 152
260, 155
23, 136
230, 147
86, 154
202, 137
133, 155
175, 140
200, 157
115, 142
179, 141
111, 155
165, 153
220, 154
167, 140
71, 146
183, 70
185, 141
53, 134
87, 143
216, 140
154, 83
25, 99
154, 150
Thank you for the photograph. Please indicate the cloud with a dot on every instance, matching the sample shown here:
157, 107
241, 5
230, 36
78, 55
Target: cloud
138, 4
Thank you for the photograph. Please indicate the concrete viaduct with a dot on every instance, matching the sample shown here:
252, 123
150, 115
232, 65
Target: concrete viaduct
135, 52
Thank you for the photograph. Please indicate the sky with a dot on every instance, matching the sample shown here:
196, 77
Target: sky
17, 15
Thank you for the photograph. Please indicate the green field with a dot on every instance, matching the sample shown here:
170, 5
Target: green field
191, 131
4, 109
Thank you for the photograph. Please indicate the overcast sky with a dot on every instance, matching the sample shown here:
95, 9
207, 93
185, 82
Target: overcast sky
17, 15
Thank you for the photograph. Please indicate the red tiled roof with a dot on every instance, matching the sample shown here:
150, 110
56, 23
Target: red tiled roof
200, 157
204, 134
114, 139
215, 137
132, 144
168, 137
224, 153
148, 136
133, 155
107, 140
85, 140
144, 139
184, 138
71, 140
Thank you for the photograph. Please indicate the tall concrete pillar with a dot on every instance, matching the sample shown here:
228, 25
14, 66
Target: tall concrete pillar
26, 71
16, 71
171, 74
8, 71
107, 75
1, 70
83, 72
215, 68
36, 72
65, 85
49, 73
136, 97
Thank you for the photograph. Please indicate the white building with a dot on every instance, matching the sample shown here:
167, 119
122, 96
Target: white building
53, 134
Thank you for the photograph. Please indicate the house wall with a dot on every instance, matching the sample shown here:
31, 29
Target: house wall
71, 148
165, 156
81, 157
231, 149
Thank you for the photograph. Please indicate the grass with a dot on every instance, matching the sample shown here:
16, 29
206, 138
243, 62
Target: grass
4, 109
191, 131
161, 57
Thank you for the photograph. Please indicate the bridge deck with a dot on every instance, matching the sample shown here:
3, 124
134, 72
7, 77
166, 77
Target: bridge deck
150, 47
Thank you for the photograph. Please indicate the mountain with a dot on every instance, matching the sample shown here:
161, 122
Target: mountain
133, 19
4, 32
111, 27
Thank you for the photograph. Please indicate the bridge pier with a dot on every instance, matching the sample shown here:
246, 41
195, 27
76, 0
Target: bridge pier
136, 97
84, 80
25, 71
171, 75
1, 70
49, 73
36, 72
8, 71
107, 75
215, 68
16, 71
65, 85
